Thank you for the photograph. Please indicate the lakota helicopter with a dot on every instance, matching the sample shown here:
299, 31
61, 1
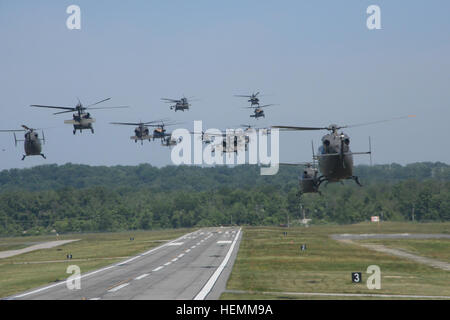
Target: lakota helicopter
335, 157
32, 143
141, 132
179, 104
82, 120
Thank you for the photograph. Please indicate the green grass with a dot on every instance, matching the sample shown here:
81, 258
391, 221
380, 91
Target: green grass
270, 262
93, 251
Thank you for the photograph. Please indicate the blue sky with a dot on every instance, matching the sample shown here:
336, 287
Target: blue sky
316, 59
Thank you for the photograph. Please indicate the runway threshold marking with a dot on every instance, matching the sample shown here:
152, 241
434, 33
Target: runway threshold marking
210, 284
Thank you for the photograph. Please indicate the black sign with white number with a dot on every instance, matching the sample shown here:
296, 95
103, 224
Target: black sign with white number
356, 277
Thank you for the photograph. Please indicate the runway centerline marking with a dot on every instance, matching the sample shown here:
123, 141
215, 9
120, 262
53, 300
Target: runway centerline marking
141, 276
118, 287
157, 269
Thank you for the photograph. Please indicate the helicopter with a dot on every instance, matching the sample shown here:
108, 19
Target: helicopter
32, 142
82, 120
231, 141
168, 141
249, 127
308, 180
335, 157
141, 132
258, 111
253, 99
179, 104
159, 132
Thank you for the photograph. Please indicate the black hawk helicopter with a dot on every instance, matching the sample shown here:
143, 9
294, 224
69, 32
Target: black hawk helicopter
82, 119
168, 141
335, 157
32, 142
141, 132
253, 98
178, 104
233, 141
258, 111
160, 132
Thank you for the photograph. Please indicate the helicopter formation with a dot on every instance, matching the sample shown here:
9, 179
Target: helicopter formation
334, 158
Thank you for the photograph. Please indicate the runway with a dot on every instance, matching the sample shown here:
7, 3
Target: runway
194, 266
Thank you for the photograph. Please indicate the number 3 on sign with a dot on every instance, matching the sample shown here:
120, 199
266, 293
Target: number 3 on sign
356, 277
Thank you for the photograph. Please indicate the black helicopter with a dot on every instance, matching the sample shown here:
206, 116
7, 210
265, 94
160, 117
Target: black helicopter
178, 104
160, 132
168, 141
82, 119
335, 157
32, 142
232, 141
258, 111
253, 98
141, 132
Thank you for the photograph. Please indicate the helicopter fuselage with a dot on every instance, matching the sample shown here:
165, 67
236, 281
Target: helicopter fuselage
32, 144
258, 113
335, 158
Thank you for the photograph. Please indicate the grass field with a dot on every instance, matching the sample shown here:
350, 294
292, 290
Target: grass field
268, 261
93, 251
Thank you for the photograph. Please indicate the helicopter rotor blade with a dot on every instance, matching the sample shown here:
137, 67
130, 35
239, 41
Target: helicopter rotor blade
291, 128
103, 108
375, 122
126, 123
64, 112
97, 102
53, 107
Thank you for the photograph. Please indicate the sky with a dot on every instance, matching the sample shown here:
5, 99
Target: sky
316, 60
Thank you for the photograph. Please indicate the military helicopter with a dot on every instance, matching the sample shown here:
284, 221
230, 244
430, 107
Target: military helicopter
32, 143
231, 142
179, 104
168, 141
258, 111
82, 120
335, 157
308, 180
253, 99
249, 127
141, 132
160, 132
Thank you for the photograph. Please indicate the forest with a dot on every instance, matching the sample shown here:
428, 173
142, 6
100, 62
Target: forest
81, 198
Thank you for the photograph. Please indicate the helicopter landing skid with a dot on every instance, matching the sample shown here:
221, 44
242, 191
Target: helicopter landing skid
356, 180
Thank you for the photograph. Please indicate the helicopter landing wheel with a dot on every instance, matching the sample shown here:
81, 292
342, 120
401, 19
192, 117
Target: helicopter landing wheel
74, 131
92, 130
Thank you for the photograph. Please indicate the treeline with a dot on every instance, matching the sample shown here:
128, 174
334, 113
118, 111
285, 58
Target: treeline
73, 198
193, 178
